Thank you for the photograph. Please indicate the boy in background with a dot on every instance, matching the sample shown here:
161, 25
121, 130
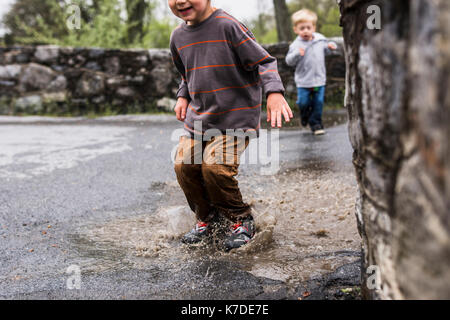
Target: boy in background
223, 71
307, 55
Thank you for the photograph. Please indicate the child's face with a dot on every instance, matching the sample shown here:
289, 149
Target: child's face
305, 30
191, 11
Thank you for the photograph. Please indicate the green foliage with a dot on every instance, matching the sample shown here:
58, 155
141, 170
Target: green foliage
34, 16
269, 37
36, 22
157, 33
103, 24
264, 28
327, 12
107, 29
265, 31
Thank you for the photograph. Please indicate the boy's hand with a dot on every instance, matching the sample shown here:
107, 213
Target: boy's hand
332, 46
302, 52
180, 108
277, 106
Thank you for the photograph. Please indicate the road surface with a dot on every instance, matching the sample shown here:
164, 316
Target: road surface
99, 197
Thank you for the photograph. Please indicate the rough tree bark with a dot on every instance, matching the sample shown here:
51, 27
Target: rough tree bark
398, 103
284, 27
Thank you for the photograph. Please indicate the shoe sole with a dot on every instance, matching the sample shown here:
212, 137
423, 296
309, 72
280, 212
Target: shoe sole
215, 233
200, 240
198, 245
319, 132
229, 248
192, 243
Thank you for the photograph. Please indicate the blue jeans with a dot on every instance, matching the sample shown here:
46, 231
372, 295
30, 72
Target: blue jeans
307, 98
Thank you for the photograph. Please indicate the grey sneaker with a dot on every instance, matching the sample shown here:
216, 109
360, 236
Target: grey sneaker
318, 130
241, 233
197, 234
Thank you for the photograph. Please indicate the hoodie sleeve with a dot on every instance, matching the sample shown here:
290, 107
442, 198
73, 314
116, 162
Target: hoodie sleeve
254, 57
328, 50
183, 90
293, 56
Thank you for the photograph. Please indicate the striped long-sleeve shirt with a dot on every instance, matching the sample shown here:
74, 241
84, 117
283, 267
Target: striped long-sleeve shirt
224, 71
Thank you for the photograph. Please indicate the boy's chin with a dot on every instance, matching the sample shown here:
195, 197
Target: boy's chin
188, 21
186, 18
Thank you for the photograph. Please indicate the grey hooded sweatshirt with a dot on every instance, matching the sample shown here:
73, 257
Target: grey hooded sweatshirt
310, 71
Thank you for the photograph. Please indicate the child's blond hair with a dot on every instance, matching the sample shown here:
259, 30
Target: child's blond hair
304, 15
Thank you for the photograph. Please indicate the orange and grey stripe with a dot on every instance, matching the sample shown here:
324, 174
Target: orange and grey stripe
245, 30
223, 112
260, 60
237, 45
226, 88
202, 42
232, 19
273, 70
212, 66
215, 41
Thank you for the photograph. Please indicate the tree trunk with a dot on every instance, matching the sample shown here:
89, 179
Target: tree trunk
136, 10
284, 27
399, 114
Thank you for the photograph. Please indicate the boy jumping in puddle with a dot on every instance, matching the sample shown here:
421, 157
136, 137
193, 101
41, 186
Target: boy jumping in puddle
223, 71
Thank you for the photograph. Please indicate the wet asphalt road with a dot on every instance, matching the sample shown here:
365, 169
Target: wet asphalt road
58, 178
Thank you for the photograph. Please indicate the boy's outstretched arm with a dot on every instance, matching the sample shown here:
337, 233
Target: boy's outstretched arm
331, 46
294, 54
255, 58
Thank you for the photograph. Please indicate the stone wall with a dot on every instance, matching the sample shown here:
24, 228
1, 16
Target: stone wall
49, 79
399, 105
56, 80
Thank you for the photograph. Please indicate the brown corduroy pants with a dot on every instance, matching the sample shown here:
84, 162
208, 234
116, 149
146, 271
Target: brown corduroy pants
206, 172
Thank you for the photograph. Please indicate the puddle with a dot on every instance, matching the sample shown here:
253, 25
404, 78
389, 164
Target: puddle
306, 228
315, 218
158, 234
96, 256
39, 150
